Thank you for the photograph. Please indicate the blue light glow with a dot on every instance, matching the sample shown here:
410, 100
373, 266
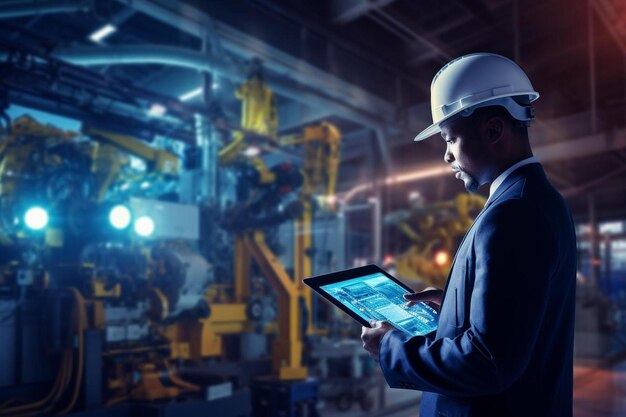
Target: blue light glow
144, 226
36, 218
120, 217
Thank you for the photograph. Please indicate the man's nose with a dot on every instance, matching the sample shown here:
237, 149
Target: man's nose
447, 156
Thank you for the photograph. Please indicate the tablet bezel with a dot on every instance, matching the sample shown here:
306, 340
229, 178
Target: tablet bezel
317, 281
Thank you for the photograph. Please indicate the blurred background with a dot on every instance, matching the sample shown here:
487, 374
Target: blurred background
171, 170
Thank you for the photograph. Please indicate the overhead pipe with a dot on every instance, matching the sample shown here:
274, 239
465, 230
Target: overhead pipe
196, 22
122, 55
10, 10
324, 91
141, 54
129, 55
205, 62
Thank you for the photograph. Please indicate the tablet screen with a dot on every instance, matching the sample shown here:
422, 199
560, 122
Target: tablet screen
377, 297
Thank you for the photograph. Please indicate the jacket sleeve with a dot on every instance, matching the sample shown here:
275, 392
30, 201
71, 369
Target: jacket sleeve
516, 255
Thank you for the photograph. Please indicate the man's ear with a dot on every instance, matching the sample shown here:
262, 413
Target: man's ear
494, 129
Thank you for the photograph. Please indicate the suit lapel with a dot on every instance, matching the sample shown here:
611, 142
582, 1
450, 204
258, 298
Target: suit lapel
522, 172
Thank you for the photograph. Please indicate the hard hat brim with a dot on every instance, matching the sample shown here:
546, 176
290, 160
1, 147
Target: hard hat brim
434, 128
428, 132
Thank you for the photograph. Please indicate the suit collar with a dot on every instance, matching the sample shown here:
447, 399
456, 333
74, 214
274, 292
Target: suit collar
500, 179
524, 171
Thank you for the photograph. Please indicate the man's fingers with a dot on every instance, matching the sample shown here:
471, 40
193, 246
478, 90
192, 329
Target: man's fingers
385, 324
427, 295
419, 296
365, 336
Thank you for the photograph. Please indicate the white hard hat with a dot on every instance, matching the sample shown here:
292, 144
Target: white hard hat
479, 80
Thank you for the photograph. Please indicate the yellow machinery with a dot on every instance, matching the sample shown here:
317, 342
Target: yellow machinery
72, 171
434, 231
157, 303
321, 144
111, 151
30, 148
321, 161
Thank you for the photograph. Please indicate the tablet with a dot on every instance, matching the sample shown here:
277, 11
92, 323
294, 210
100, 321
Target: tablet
370, 293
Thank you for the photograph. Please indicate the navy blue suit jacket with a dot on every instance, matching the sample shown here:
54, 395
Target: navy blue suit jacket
504, 345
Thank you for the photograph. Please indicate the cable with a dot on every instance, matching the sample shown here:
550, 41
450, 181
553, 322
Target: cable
116, 400
182, 383
67, 372
53, 395
82, 326
59, 386
179, 381
65, 375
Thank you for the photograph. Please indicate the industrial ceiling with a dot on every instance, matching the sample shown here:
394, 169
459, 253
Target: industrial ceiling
367, 66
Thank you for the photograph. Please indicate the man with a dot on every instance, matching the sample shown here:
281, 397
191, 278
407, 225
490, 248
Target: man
504, 343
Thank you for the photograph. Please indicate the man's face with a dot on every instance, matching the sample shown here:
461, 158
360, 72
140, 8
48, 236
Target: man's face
465, 152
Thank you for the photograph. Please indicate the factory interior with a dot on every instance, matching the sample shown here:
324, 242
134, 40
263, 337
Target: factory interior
170, 171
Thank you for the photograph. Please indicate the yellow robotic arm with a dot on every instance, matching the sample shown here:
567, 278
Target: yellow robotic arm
108, 156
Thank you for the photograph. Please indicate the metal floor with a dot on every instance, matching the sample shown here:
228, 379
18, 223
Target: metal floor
598, 392
404, 402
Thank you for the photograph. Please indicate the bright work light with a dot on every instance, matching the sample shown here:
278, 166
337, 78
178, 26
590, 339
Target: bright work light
119, 217
102, 33
144, 226
36, 218
441, 258
191, 94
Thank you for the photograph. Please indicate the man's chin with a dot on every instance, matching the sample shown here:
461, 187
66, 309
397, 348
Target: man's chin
470, 185
471, 188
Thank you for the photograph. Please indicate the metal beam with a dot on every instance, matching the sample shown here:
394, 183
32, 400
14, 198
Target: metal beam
570, 192
346, 11
412, 33
357, 143
186, 58
193, 21
330, 36
288, 74
294, 115
383, 145
566, 149
12, 9
578, 148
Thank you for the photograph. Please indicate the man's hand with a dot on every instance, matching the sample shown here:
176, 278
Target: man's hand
371, 337
431, 296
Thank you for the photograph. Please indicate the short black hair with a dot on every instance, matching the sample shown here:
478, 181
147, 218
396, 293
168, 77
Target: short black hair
519, 128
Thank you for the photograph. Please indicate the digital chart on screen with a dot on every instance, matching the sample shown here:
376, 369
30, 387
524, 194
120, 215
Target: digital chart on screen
377, 297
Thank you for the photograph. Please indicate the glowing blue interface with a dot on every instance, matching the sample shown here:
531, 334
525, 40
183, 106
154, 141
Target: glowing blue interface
377, 297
